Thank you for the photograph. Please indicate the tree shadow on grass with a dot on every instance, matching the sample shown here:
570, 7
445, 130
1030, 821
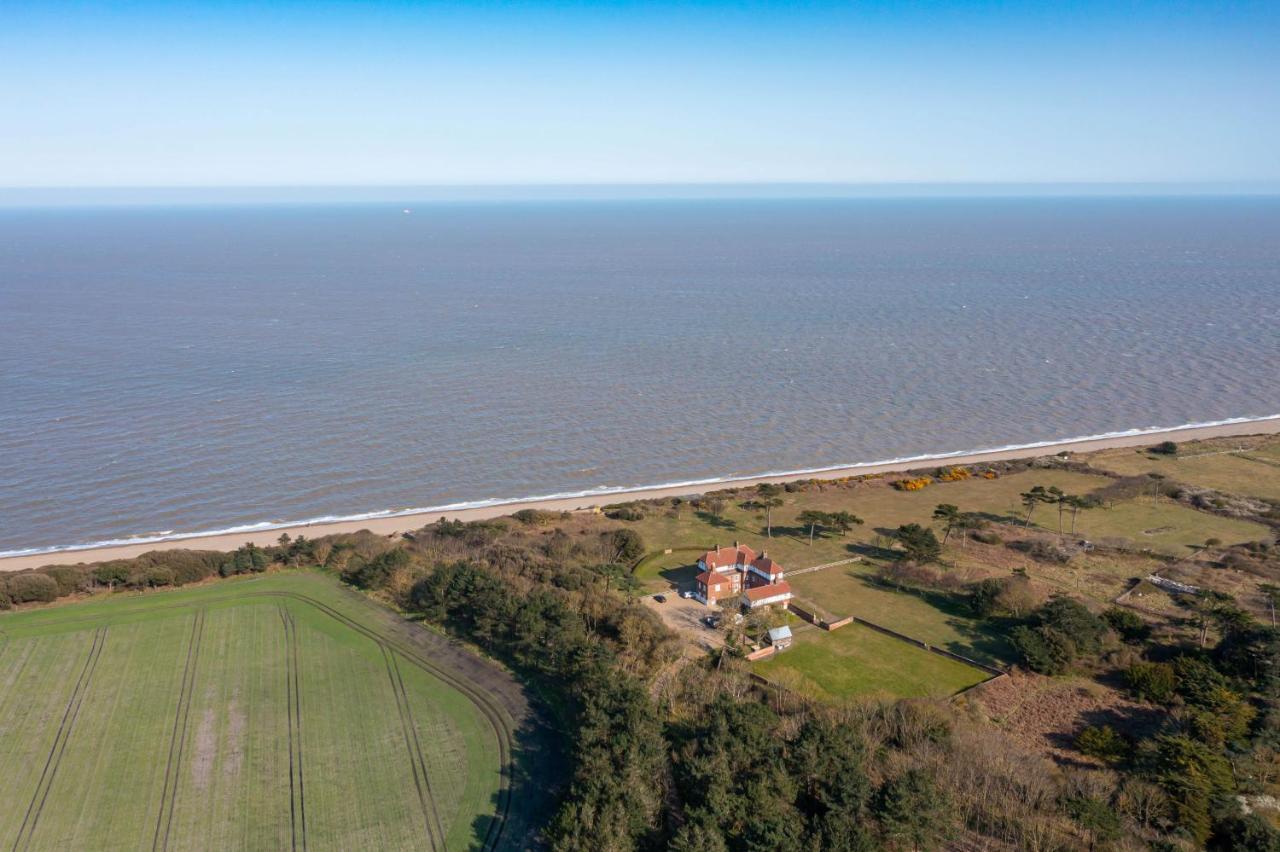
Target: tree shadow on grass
717, 521
870, 551
985, 640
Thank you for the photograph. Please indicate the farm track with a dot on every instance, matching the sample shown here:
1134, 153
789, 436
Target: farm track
421, 780
297, 797
177, 739
489, 709
59, 747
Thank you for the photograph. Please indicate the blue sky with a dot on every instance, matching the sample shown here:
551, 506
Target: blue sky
220, 94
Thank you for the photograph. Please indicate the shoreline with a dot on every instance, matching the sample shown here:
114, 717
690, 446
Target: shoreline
392, 523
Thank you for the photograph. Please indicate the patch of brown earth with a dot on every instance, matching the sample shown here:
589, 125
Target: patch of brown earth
206, 750
235, 740
1046, 714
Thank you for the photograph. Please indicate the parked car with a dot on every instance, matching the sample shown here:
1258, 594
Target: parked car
659, 598
686, 595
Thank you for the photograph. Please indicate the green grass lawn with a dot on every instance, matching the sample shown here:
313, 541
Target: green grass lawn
1254, 473
938, 619
859, 661
228, 717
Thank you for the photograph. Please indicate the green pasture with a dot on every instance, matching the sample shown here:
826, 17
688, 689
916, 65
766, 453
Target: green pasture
236, 715
858, 661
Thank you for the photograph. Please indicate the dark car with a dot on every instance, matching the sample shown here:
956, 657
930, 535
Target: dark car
660, 598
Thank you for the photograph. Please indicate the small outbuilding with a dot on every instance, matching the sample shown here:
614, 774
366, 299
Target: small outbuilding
780, 638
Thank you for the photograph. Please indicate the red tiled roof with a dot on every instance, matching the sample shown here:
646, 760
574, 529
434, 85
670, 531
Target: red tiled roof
711, 578
723, 557
766, 565
771, 590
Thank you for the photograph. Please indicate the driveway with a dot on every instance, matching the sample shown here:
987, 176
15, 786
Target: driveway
684, 615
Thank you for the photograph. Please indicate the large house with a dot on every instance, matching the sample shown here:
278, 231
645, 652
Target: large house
729, 571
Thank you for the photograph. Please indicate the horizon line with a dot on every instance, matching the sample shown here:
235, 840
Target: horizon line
133, 195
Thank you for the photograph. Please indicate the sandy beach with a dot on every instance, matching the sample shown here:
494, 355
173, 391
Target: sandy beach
402, 523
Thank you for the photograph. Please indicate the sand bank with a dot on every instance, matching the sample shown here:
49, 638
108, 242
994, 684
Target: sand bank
404, 522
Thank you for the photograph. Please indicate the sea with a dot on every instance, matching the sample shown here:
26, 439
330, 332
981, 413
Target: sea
181, 368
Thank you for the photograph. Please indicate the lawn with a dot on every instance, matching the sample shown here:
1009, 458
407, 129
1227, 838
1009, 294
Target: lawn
859, 661
1253, 473
256, 713
937, 619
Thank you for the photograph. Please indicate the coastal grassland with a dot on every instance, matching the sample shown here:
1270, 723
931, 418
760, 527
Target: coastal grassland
1253, 471
858, 661
1165, 526
935, 618
255, 713
882, 508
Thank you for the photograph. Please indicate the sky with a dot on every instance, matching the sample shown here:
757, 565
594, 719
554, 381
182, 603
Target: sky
218, 94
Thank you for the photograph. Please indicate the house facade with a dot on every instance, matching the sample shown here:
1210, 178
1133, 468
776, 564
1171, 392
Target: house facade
728, 571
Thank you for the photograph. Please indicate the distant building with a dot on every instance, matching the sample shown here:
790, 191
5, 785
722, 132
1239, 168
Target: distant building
737, 570
780, 637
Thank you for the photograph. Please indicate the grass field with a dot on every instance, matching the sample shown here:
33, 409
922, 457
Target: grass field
1166, 526
1252, 473
859, 661
852, 590
259, 713
881, 508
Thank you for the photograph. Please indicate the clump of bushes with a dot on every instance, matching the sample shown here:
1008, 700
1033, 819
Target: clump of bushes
1010, 596
986, 536
1128, 624
31, 588
1165, 448
1103, 743
535, 517
624, 512
1057, 635
954, 474
916, 484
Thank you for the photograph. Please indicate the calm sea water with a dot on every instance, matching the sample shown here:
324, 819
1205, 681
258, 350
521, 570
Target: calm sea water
179, 369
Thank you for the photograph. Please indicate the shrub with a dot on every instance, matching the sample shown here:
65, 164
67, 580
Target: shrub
151, 576
1165, 448
1043, 649
112, 574
1154, 682
1128, 624
534, 517
626, 512
248, 558
912, 484
187, 566
1102, 742
954, 474
919, 542
69, 578
31, 588
627, 545
987, 537
6, 602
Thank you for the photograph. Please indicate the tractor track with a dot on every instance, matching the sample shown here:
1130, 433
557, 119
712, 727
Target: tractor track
297, 789
178, 737
59, 747
493, 714
421, 780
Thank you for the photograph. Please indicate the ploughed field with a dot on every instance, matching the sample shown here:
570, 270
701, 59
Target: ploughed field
268, 713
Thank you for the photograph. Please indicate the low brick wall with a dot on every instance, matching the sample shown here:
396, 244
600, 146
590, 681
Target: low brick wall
804, 613
836, 625
763, 653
